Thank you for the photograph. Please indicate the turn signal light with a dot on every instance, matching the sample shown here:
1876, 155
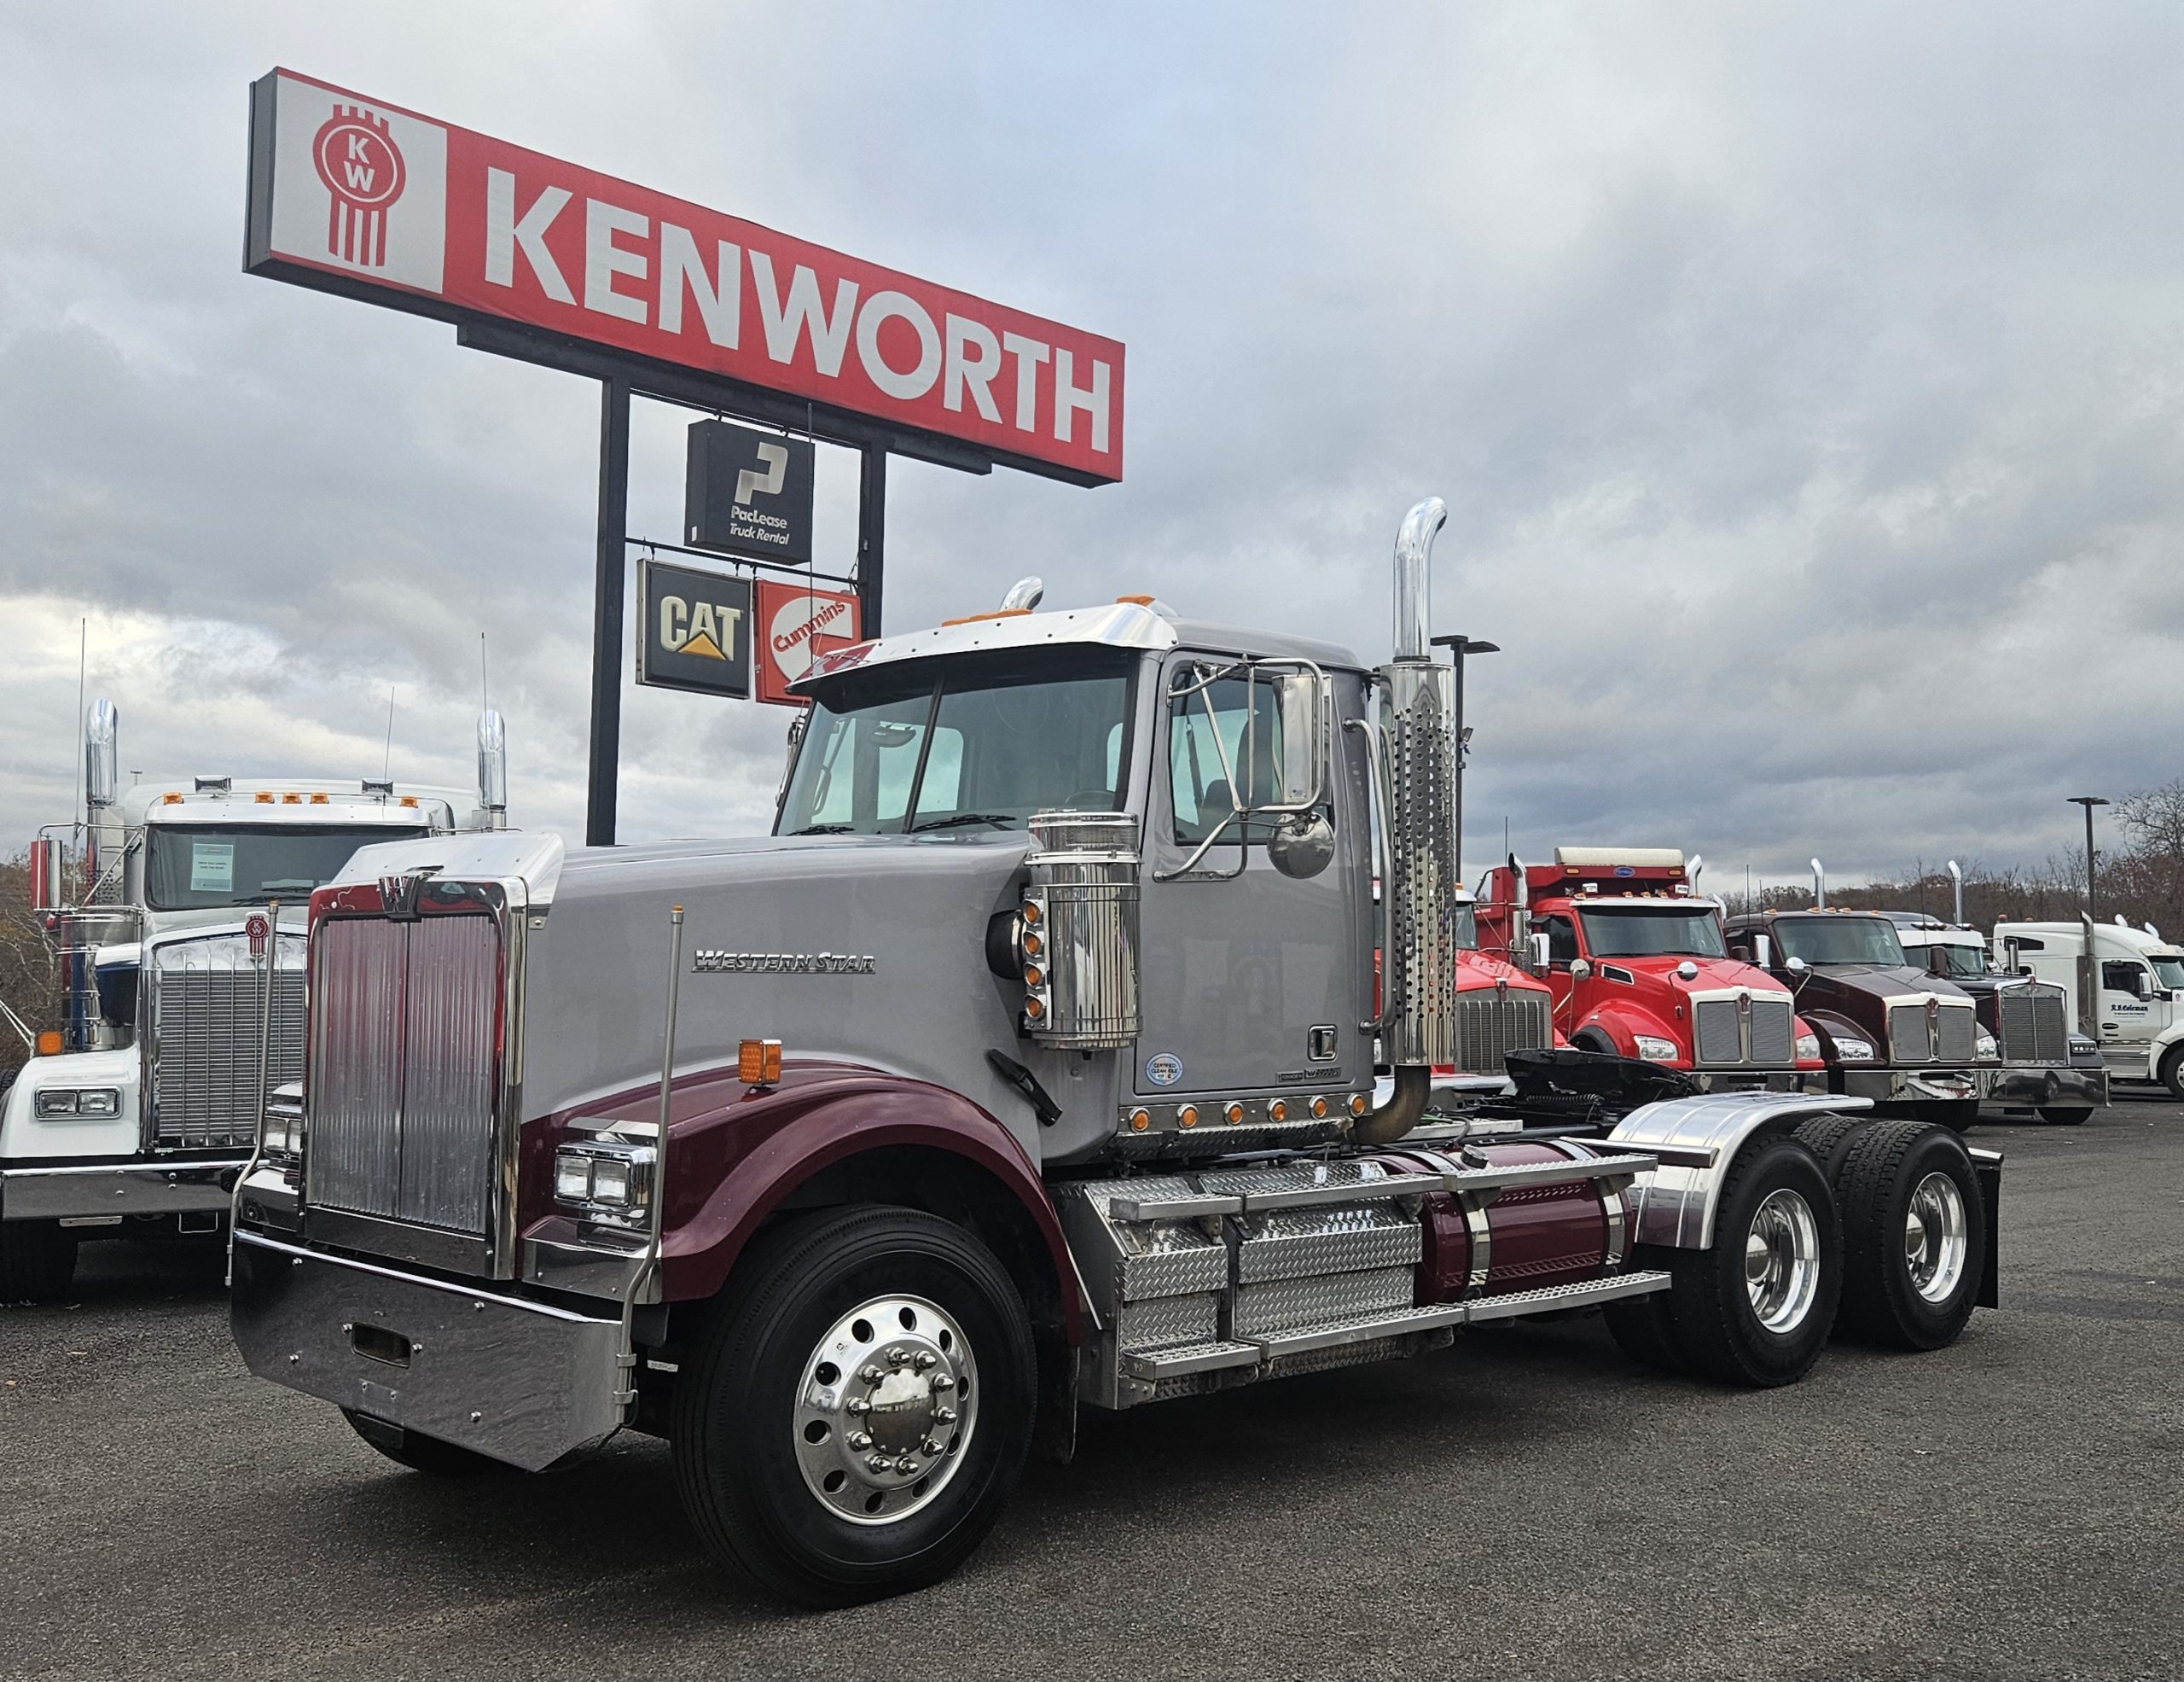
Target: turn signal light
759, 1063
49, 1043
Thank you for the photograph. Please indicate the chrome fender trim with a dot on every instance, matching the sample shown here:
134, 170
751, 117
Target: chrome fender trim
1674, 1205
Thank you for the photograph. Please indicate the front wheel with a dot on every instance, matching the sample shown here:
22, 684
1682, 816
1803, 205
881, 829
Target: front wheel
2172, 1072
1756, 1309
858, 1408
2065, 1114
1915, 1235
38, 1260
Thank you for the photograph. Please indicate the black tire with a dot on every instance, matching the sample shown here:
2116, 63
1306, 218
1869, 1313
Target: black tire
1594, 1039
1643, 1327
2065, 1114
2172, 1072
737, 1466
435, 1457
1959, 1116
1718, 1326
38, 1260
1882, 1301
1828, 1137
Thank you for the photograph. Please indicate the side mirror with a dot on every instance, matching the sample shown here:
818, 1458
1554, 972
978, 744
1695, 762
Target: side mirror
1795, 966
1541, 948
2141, 984
1579, 969
1762, 951
1299, 700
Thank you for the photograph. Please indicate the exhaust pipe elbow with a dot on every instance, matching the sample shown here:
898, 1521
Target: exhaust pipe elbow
1414, 590
1400, 1113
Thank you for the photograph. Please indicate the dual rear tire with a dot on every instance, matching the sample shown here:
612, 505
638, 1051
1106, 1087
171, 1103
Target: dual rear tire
1877, 1228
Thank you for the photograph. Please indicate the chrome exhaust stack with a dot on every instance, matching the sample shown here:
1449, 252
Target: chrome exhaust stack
1818, 887
1422, 889
493, 769
1956, 880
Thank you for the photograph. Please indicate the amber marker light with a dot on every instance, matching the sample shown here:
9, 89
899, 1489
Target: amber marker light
318, 799
49, 1043
1234, 1113
1033, 975
1187, 1116
1030, 911
1278, 1111
409, 801
1140, 1119
291, 800
1034, 1009
1319, 1109
759, 1063
1358, 1103
266, 797
1032, 943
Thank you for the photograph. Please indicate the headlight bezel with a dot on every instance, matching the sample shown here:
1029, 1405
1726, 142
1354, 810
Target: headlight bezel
76, 1103
1986, 1048
1806, 1048
281, 1138
1851, 1051
619, 1175
1654, 1049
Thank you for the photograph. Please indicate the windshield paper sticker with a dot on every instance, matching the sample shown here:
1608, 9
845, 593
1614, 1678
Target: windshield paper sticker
1163, 1068
212, 867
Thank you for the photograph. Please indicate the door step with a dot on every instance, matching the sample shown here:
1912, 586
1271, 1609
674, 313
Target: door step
1176, 1362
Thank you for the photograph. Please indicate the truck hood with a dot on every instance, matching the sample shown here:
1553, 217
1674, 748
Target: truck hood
1861, 992
1476, 969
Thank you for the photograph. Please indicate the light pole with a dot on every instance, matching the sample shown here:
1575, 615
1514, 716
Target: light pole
2089, 801
1459, 647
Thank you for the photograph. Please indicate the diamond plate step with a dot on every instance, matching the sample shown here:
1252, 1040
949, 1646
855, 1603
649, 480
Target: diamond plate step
1189, 1357
1553, 1299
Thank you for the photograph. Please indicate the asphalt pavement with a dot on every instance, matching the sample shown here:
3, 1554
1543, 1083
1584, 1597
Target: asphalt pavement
1526, 1505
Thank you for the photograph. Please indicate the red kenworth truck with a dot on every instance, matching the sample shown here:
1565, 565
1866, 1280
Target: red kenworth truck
1636, 964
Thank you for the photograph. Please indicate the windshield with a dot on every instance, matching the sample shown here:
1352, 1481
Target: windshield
2170, 967
1839, 939
192, 868
1959, 962
1651, 931
975, 744
1467, 929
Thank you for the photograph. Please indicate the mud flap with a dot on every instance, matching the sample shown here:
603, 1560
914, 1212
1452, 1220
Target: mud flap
1988, 1166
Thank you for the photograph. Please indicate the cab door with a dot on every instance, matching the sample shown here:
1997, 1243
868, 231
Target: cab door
1255, 978
2126, 1009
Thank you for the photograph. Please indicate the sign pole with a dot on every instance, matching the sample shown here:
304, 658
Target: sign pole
871, 537
607, 611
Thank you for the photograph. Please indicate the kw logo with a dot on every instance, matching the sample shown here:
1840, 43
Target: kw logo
766, 484
702, 630
363, 170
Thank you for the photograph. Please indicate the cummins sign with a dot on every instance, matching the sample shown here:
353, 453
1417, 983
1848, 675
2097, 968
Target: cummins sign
354, 195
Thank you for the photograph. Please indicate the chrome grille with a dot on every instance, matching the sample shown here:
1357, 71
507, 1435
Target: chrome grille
1492, 1024
1954, 1029
1719, 1038
403, 1074
2051, 1033
2020, 1034
1907, 1039
1771, 1037
205, 997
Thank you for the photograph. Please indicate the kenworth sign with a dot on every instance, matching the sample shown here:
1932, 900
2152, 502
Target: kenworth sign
357, 196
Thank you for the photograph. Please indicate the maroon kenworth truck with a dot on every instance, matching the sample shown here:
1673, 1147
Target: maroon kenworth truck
1036, 1060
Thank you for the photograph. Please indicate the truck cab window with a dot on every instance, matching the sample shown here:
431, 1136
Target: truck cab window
1827, 939
1206, 751
1561, 938
982, 744
1651, 931
2122, 975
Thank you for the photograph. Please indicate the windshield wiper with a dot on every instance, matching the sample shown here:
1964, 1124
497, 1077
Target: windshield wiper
823, 829
999, 820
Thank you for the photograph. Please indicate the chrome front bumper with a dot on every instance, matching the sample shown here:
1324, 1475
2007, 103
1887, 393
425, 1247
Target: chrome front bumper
524, 1382
1912, 1085
2067, 1086
106, 1189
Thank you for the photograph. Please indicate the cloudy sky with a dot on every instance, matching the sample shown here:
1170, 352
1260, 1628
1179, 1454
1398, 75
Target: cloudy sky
1805, 385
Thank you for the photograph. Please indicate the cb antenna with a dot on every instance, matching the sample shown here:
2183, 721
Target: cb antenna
484, 688
386, 765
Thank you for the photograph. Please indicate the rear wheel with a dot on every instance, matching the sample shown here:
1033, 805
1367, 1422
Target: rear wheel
1914, 1231
2065, 1114
433, 1455
2172, 1072
858, 1408
38, 1260
1756, 1309
1828, 1137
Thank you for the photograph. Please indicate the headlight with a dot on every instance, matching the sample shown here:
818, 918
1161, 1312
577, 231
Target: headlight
1656, 1051
606, 1179
1855, 1050
2081, 1046
282, 1139
1808, 1048
1988, 1050
79, 1101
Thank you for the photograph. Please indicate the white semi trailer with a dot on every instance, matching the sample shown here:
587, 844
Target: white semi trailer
139, 1113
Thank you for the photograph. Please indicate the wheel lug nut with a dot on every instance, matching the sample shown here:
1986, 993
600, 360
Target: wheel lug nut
858, 1406
944, 1416
926, 1358
877, 1462
906, 1465
860, 1440
941, 1381
897, 1357
932, 1445
872, 1375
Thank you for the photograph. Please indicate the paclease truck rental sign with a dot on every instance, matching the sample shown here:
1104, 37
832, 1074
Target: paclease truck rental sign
354, 195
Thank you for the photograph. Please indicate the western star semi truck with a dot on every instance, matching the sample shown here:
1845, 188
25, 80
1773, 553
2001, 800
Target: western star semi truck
139, 1112
1638, 968
1027, 1066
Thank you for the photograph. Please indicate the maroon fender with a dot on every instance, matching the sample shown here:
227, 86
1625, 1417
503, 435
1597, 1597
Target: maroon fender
736, 1152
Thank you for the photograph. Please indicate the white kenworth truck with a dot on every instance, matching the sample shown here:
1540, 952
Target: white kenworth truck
2125, 983
1028, 1065
139, 1113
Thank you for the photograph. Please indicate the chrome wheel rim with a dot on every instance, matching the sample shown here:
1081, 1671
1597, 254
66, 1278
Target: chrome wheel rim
884, 1408
1936, 1239
1781, 1261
